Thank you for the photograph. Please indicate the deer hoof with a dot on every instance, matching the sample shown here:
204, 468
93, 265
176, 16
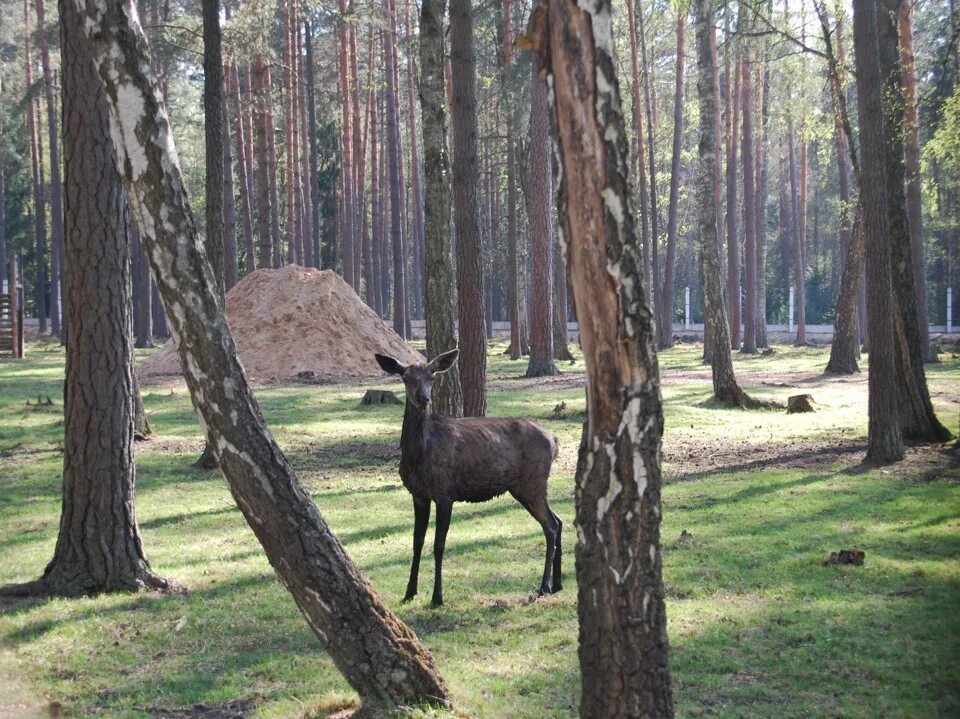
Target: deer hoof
557, 586
436, 602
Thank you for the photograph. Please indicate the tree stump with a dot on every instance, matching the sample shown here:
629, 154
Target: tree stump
379, 396
800, 403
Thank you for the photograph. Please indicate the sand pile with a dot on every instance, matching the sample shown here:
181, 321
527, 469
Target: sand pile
299, 320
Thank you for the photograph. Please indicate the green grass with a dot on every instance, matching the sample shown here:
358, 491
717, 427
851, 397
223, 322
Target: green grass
758, 627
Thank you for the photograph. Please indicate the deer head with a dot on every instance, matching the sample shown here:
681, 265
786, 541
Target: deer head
418, 378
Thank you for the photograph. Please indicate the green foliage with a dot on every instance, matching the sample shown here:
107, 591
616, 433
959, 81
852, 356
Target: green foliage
757, 626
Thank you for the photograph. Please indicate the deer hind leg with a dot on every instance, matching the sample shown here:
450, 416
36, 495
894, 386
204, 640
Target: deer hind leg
444, 510
557, 584
540, 511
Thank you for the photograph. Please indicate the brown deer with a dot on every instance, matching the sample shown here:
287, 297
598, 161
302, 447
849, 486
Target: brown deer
470, 459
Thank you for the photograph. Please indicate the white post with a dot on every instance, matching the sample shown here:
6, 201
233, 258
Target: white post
790, 317
686, 308
949, 309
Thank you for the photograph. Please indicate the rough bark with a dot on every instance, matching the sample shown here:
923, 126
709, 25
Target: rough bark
918, 421
541, 229
623, 644
725, 387
912, 167
465, 179
56, 187
98, 547
377, 653
884, 439
665, 326
440, 298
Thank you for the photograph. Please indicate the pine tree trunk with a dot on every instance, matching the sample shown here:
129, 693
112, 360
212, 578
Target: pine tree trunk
417, 235
760, 297
465, 180
266, 209
276, 239
725, 387
541, 229
56, 191
912, 166
749, 203
243, 164
733, 249
142, 294
884, 439
440, 298
623, 644
378, 654
665, 326
39, 201
654, 286
561, 343
311, 131
515, 295
230, 269
98, 547
799, 283
918, 421
396, 199
376, 230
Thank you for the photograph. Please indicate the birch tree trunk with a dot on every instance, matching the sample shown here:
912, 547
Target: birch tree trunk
378, 654
623, 635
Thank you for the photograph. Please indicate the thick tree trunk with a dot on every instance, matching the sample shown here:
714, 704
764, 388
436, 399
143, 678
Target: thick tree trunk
725, 387
541, 229
377, 653
466, 181
884, 439
623, 631
440, 298
98, 548
665, 326
56, 188
912, 166
918, 421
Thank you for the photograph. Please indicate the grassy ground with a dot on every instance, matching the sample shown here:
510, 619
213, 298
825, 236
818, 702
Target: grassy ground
753, 502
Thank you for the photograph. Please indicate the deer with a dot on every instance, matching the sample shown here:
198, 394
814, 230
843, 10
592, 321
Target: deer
470, 459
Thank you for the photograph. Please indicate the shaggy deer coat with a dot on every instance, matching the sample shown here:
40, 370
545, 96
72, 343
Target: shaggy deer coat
472, 459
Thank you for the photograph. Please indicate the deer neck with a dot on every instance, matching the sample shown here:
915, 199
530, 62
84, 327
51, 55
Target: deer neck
413, 436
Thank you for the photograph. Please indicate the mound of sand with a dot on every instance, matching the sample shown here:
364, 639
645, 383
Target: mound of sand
299, 320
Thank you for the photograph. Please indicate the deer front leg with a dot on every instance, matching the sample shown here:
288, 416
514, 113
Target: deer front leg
444, 510
421, 518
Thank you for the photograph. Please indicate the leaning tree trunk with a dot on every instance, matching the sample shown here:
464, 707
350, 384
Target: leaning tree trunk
440, 296
465, 179
98, 548
917, 418
725, 387
541, 229
378, 654
623, 629
884, 439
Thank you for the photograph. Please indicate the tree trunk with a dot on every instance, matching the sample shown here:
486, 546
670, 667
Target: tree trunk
276, 239
230, 270
294, 246
796, 237
378, 654
654, 286
311, 130
358, 156
244, 163
417, 235
912, 166
266, 209
623, 633
396, 199
39, 201
56, 189
541, 229
375, 215
466, 180
733, 249
561, 344
884, 439
98, 547
142, 292
665, 326
760, 297
440, 298
725, 387
918, 420
749, 203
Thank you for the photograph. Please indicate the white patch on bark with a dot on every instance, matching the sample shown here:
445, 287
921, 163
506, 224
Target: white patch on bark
318, 600
653, 554
130, 110
225, 446
616, 575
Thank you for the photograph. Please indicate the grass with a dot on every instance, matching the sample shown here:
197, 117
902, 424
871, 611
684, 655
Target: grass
758, 627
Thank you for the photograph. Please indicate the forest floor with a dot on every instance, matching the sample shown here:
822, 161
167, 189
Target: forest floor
753, 503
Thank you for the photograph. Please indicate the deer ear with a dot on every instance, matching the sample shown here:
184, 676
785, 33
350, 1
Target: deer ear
389, 364
441, 363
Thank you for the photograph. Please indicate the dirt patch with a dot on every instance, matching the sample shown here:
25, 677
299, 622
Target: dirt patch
234, 709
298, 321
